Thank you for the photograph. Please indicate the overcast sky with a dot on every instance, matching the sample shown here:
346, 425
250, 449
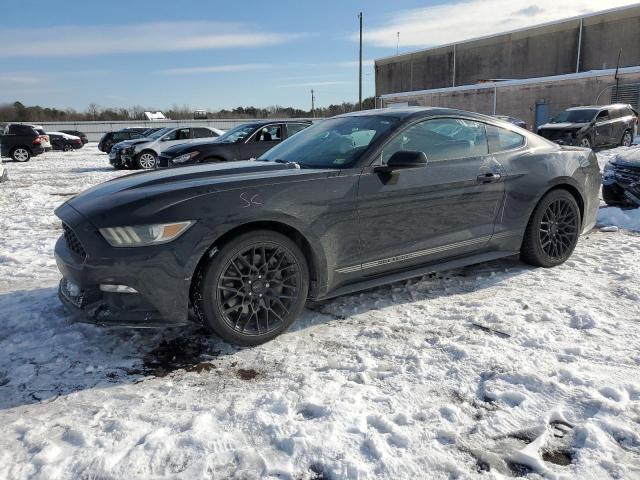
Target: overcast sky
212, 54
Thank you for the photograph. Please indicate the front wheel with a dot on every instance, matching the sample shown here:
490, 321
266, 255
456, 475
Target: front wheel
627, 139
253, 289
67, 148
146, 160
20, 154
585, 142
553, 230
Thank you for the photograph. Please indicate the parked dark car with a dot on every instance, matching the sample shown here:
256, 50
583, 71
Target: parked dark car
592, 127
109, 139
621, 182
249, 140
65, 142
349, 203
516, 121
77, 133
20, 142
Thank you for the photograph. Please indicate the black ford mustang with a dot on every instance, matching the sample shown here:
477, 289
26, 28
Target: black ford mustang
349, 203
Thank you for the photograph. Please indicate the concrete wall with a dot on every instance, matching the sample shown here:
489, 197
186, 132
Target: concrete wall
520, 100
95, 130
541, 51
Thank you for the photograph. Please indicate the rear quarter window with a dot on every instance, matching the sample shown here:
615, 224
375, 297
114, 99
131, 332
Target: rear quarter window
501, 139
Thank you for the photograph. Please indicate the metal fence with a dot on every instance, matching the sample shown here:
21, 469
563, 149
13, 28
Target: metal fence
95, 130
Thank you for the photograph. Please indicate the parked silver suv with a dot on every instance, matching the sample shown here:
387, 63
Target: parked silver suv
142, 152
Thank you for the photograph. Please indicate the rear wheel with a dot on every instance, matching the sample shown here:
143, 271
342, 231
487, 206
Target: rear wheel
253, 289
20, 154
146, 160
627, 139
553, 230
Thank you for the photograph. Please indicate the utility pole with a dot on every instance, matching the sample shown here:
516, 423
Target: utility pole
360, 65
313, 104
398, 44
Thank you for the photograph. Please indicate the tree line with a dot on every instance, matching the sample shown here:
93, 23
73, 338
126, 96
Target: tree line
18, 112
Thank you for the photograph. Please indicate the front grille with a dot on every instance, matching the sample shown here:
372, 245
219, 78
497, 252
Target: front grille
73, 242
628, 174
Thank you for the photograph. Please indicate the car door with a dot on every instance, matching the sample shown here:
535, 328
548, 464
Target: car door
602, 129
174, 137
265, 138
444, 209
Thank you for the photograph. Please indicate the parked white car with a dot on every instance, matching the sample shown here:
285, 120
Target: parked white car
45, 141
143, 152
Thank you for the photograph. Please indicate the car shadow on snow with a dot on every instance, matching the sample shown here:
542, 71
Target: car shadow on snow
45, 353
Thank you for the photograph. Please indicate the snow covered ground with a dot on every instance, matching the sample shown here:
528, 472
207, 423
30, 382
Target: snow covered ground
494, 371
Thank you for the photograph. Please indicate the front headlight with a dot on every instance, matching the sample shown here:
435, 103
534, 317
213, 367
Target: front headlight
144, 235
185, 158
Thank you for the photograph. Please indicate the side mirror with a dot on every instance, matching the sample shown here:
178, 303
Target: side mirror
403, 160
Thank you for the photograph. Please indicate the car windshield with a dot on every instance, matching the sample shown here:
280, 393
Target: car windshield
159, 133
333, 143
575, 116
236, 134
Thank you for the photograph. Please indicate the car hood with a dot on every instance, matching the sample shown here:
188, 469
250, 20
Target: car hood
629, 158
130, 143
145, 194
562, 126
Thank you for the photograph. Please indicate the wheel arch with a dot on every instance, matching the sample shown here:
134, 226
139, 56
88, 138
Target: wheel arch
26, 147
563, 184
313, 254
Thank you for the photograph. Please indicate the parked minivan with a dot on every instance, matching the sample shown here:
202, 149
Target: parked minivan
592, 127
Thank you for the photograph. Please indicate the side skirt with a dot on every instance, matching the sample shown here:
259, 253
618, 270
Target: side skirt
417, 272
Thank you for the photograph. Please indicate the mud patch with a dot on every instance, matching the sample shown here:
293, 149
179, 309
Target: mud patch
182, 353
518, 469
563, 458
247, 374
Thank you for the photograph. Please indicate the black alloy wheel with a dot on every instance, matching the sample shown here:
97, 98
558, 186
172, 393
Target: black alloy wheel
67, 148
254, 288
553, 230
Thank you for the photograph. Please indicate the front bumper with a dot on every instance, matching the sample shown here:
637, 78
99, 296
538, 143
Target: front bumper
118, 159
159, 276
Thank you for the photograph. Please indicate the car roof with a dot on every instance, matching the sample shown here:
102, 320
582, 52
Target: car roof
408, 112
601, 107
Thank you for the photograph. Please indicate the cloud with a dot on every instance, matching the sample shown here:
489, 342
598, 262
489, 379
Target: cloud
73, 40
452, 22
216, 69
530, 11
315, 84
18, 79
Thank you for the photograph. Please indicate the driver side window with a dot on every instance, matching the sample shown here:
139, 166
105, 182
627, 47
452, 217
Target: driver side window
603, 116
441, 139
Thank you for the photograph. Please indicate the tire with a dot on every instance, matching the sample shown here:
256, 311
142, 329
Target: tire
224, 293
585, 142
20, 154
627, 139
67, 148
553, 230
146, 160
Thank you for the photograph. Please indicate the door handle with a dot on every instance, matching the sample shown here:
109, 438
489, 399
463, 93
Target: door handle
489, 177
